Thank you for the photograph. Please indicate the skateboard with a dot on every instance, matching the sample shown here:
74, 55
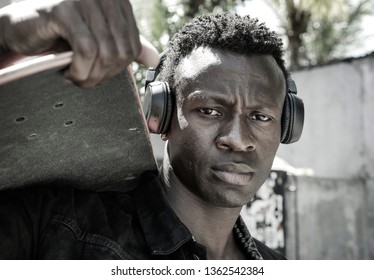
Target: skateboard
55, 133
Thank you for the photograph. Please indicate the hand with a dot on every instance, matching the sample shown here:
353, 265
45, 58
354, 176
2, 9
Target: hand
102, 34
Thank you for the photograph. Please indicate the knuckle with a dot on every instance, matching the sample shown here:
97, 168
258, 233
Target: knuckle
60, 12
92, 81
107, 56
126, 55
87, 81
86, 47
137, 48
75, 75
129, 52
84, 84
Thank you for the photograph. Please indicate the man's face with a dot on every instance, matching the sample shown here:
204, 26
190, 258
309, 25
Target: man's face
226, 128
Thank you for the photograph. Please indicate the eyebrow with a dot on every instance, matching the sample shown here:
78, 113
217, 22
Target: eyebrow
216, 96
222, 98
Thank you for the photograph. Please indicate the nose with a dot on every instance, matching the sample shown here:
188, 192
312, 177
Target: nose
236, 137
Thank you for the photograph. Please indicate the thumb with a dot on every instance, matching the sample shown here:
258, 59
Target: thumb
149, 55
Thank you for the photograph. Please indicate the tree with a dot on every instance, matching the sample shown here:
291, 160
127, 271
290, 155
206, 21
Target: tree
317, 30
320, 30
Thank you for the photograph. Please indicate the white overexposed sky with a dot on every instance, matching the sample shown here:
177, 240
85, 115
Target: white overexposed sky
260, 10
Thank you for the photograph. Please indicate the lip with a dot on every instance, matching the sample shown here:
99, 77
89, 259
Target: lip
233, 173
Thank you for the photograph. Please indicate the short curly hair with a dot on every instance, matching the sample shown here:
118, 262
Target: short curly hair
231, 32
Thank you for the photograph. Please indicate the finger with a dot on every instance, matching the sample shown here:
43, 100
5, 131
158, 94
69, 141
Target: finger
149, 55
132, 29
79, 36
107, 53
122, 30
26, 37
125, 36
24, 27
117, 25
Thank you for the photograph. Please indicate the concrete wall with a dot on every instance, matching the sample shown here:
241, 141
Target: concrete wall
337, 140
370, 217
330, 221
331, 214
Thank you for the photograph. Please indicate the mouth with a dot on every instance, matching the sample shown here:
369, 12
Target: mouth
233, 173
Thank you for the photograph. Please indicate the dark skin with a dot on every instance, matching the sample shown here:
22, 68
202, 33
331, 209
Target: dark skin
102, 34
222, 142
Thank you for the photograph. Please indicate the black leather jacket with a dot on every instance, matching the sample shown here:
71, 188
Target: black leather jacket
58, 222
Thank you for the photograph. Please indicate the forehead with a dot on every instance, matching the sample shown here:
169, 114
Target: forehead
206, 63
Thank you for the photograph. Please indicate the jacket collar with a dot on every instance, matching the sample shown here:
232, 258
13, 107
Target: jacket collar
163, 230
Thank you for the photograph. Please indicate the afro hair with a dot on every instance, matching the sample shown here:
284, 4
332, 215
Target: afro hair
231, 32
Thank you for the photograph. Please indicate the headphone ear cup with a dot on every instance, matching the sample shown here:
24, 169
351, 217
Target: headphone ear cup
158, 107
292, 119
169, 110
286, 115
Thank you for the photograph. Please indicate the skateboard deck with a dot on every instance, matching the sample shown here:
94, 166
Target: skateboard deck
53, 132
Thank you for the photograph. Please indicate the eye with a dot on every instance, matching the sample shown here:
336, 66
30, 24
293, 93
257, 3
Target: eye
210, 112
259, 117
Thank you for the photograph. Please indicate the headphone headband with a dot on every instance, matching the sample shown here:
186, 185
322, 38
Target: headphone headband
152, 73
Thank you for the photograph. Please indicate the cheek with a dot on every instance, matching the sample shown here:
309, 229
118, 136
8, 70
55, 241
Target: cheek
269, 151
185, 145
189, 147
183, 158
268, 142
272, 139
188, 136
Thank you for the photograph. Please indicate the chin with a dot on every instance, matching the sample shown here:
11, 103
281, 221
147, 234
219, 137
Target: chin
229, 204
229, 199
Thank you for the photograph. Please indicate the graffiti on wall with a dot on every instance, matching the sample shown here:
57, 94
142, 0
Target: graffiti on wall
264, 214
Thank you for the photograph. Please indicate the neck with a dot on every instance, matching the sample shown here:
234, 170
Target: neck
210, 225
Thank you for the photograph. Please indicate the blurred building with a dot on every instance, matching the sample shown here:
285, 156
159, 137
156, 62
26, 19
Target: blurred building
330, 215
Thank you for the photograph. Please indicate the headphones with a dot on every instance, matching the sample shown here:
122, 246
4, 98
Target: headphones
158, 106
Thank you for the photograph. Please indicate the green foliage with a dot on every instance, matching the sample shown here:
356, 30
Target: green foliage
333, 27
318, 30
331, 34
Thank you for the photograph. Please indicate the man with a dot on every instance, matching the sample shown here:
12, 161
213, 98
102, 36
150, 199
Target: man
228, 79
